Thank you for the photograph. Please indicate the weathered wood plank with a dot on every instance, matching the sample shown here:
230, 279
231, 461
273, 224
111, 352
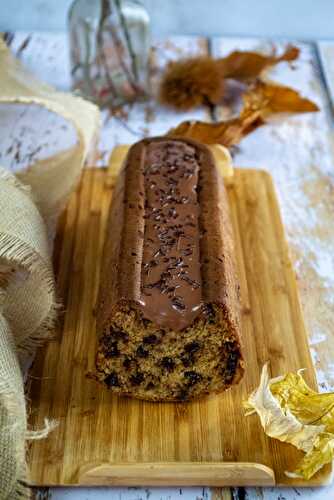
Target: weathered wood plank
298, 152
107, 493
47, 55
314, 141
150, 119
326, 56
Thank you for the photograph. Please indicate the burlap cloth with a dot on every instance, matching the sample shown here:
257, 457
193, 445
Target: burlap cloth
29, 204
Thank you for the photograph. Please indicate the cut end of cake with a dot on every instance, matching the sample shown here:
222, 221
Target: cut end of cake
136, 357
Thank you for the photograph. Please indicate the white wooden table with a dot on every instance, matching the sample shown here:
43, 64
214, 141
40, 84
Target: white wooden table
298, 152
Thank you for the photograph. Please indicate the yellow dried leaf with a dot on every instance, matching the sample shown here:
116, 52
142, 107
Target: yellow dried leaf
308, 406
322, 453
291, 411
278, 422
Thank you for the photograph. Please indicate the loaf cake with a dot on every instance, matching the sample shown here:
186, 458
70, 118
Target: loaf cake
168, 305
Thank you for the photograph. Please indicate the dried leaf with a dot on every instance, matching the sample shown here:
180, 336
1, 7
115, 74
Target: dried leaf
270, 98
308, 406
225, 133
278, 422
292, 412
192, 82
260, 102
322, 453
249, 65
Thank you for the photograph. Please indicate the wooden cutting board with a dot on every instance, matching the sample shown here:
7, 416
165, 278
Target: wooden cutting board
102, 439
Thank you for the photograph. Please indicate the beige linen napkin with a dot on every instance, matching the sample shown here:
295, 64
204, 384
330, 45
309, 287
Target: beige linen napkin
29, 204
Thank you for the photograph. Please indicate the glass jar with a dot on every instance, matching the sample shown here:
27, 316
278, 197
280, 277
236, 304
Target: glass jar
109, 49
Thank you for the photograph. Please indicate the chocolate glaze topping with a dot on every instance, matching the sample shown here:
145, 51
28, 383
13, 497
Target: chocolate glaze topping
169, 241
170, 272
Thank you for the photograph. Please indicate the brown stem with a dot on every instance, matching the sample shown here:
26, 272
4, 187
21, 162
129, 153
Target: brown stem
86, 65
118, 43
105, 12
128, 39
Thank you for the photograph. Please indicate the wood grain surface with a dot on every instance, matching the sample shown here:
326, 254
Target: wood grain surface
102, 439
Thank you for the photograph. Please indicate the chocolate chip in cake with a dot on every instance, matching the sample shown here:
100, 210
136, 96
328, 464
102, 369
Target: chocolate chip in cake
112, 380
183, 395
146, 322
141, 352
230, 346
112, 350
127, 362
150, 339
187, 360
209, 313
150, 386
137, 379
118, 334
192, 377
192, 347
168, 363
231, 364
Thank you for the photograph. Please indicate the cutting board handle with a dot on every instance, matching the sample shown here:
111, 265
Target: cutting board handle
179, 474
